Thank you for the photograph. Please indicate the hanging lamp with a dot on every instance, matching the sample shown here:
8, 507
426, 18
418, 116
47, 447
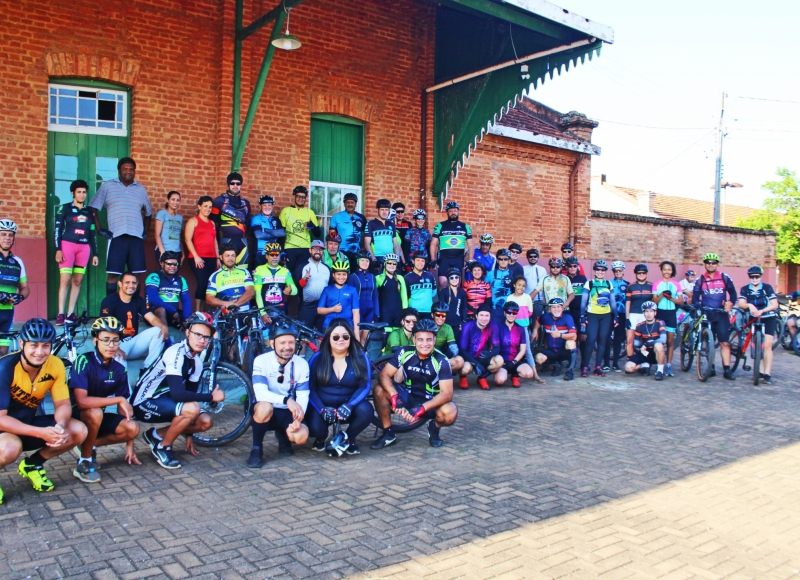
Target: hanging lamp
287, 41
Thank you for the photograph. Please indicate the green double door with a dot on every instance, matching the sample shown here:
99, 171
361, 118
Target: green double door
92, 158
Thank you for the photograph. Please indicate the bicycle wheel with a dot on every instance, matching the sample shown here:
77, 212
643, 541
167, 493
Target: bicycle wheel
254, 348
687, 351
757, 354
780, 328
232, 416
399, 425
705, 354
786, 337
736, 341
796, 343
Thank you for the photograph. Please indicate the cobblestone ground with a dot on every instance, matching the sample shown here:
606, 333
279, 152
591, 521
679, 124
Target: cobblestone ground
516, 457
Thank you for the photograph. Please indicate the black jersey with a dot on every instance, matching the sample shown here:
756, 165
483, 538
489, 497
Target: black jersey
77, 225
422, 374
759, 297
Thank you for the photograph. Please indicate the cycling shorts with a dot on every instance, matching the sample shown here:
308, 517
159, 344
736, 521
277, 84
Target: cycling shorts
109, 424
638, 358
669, 318
720, 325
410, 401
770, 324
635, 318
6, 322
561, 354
159, 410
446, 263
281, 419
32, 443
76, 258
126, 249
512, 366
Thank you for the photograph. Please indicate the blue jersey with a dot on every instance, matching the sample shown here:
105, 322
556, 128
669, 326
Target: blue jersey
263, 222
500, 282
350, 228
171, 294
98, 378
421, 291
619, 289
382, 235
563, 325
347, 296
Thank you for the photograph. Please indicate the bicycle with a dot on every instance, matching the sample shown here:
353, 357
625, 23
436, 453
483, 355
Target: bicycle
699, 342
67, 340
787, 316
740, 340
307, 336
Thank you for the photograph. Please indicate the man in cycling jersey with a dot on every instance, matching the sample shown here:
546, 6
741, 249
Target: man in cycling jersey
300, 223
452, 243
561, 336
26, 377
710, 291
231, 214
554, 285
349, 225
650, 342
332, 253
266, 228
380, 235
169, 393
168, 292
272, 283
567, 252
280, 382
231, 285
13, 280
761, 301
638, 293
514, 252
421, 286
484, 254
98, 382
400, 222
480, 348
417, 385
619, 287
445, 337
534, 273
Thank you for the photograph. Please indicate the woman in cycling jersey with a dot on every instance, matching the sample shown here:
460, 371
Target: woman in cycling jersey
364, 281
598, 307
667, 297
392, 294
75, 244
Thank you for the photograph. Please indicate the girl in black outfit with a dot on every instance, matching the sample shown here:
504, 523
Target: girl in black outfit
339, 382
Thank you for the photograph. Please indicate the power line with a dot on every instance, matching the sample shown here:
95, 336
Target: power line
769, 100
673, 159
656, 127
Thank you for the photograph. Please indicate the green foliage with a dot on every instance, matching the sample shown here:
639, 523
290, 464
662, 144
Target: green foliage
785, 193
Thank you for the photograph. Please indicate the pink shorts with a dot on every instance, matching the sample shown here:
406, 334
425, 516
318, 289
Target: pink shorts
76, 258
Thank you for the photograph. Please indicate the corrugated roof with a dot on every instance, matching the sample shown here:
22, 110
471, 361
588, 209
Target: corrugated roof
684, 208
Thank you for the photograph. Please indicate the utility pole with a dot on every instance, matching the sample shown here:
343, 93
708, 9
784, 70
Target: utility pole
718, 179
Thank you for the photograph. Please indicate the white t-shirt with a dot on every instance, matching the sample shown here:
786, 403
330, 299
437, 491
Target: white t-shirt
686, 286
266, 372
320, 276
533, 275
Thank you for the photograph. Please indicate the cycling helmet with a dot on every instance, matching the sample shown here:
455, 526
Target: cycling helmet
515, 246
451, 205
419, 254
37, 330
334, 238
453, 272
600, 264
617, 265
502, 253
106, 324
511, 307
340, 266
300, 189
487, 239
711, 256
351, 197
425, 325
272, 247
201, 318
690, 273
338, 444
266, 199
532, 252
572, 261
283, 328
753, 270
441, 307
567, 246
170, 256
363, 255
556, 301
399, 205
391, 258
381, 203
7, 225
556, 262
420, 213
640, 268
649, 305
392, 214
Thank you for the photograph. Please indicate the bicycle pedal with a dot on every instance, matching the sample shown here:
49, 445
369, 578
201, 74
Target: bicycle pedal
747, 368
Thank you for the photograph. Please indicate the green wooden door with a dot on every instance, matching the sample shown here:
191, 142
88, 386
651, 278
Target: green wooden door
337, 152
92, 158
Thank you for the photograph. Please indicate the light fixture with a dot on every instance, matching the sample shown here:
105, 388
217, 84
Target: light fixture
287, 41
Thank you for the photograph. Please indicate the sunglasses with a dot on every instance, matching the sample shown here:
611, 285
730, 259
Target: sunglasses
420, 218
597, 269
503, 259
338, 337
454, 277
390, 263
511, 313
200, 337
712, 262
399, 211
409, 321
440, 315
235, 183
171, 264
275, 254
515, 251
755, 277
566, 251
575, 266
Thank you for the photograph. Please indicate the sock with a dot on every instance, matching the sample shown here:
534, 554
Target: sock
726, 368
259, 430
660, 368
82, 459
389, 432
111, 289
36, 459
573, 355
156, 436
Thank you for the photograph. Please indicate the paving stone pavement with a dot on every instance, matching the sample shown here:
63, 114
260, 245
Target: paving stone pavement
601, 475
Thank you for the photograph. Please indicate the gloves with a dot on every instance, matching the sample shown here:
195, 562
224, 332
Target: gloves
310, 225
583, 320
5, 298
432, 264
480, 370
395, 401
17, 298
417, 412
667, 293
329, 415
344, 412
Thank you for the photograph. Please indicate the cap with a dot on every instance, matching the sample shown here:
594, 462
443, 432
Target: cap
317, 244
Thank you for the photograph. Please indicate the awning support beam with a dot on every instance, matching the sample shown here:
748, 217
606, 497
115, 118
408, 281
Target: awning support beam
509, 14
262, 21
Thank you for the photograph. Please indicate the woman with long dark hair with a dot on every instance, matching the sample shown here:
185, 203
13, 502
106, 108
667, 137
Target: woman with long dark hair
200, 236
339, 382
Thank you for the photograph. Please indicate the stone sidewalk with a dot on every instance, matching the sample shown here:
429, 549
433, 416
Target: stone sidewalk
620, 475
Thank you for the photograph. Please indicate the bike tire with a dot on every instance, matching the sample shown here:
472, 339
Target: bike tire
796, 343
786, 336
780, 330
236, 413
757, 354
254, 348
686, 347
705, 355
737, 355
399, 425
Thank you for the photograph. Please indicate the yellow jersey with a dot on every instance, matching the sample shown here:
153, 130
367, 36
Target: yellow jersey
20, 396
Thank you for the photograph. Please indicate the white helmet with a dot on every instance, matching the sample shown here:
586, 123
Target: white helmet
618, 265
8, 226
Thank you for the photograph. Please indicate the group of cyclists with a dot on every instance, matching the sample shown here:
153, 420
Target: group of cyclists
448, 310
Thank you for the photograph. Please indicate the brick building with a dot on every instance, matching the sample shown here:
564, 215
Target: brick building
408, 85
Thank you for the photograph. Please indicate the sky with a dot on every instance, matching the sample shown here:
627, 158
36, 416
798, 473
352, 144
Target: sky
656, 92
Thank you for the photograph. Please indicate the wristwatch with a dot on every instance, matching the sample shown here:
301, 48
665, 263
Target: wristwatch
285, 399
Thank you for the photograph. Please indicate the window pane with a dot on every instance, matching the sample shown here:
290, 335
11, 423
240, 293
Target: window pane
53, 105
106, 110
105, 124
66, 167
119, 112
67, 107
334, 200
62, 191
69, 92
106, 168
87, 109
106, 96
317, 202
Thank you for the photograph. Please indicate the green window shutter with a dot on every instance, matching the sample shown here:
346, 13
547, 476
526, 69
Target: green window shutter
337, 152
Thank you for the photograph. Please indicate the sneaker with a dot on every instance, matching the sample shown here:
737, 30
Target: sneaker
36, 475
616, 368
284, 445
484, 384
585, 372
150, 438
569, 375
606, 368
319, 444
713, 373
72, 318
645, 371
556, 370
599, 372
766, 379
668, 370
433, 435
463, 383
728, 375
166, 458
659, 376
60, 319
384, 440
76, 451
86, 472
2, 496
515, 382
256, 459
353, 449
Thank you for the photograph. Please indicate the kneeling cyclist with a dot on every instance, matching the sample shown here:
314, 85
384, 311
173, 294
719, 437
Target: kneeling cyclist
445, 337
168, 393
560, 343
513, 349
25, 378
425, 390
649, 342
98, 382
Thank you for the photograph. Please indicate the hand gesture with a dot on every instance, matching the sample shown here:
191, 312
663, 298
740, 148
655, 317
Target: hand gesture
337, 308
54, 436
295, 409
217, 395
130, 454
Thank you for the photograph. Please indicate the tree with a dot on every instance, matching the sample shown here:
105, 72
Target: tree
781, 214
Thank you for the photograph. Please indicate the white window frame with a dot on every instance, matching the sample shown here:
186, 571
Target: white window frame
55, 127
323, 220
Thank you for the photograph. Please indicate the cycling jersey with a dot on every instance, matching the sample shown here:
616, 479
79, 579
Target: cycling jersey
578, 281
177, 374
649, 333
510, 341
263, 223
423, 375
77, 225
273, 382
477, 342
478, 292
350, 228
665, 303
332, 295
12, 274
231, 213
98, 378
230, 284
555, 287
294, 220
339, 257
488, 260
452, 236
269, 285
421, 291
398, 337
637, 294
417, 240
20, 396
382, 234
525, 308
619, 289
564, 324
500, 281
171, 294
710, 291
444, 337
600, 299
759, 297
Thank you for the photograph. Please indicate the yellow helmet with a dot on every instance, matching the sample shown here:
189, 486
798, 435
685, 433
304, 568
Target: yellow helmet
106, 324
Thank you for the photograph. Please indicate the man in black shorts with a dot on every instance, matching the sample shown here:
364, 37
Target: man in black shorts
561, 334
650, 342
426, 391
452, 243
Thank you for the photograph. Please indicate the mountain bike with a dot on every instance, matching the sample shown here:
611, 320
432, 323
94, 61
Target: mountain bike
66, 344
740, 339
787, 317
698, 343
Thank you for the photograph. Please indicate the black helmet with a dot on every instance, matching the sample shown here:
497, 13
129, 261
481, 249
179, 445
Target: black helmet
363, 255
281, 329
201, 318
300, 189
567, 246
381, 203
419, 254
511, 307
515, 246
556, 301
755, 270
37, 330
170, 256
334, 238
640, 268
441, 307
425, 325
600, 264
532, 252
453, 272
572, 261
451, 205
556, 263
503, 252
234, 177
266, 199
351, 197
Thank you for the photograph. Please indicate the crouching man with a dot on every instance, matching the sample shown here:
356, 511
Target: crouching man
649, 342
